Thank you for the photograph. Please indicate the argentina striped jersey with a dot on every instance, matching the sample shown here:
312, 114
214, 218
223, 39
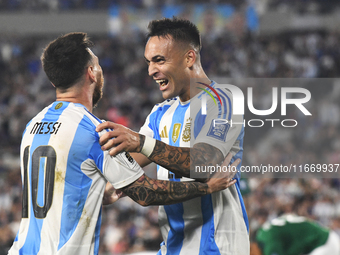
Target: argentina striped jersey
212, 224
64, 173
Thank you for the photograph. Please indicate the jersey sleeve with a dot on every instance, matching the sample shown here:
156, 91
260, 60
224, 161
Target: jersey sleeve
148, 128
120, 170
221, 128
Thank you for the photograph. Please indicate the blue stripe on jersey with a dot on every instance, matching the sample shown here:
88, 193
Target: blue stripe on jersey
176, 223
223, 114
160, 250
208, 229
97, 232
244, 212
199, 123
177, 118
76, 182
219, 105
41, 186
33, 239
175, 212
229, 103
97, 154
155, 119
26, 127
94, 116
239, 155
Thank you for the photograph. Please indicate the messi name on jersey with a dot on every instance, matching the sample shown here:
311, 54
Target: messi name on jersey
40, 128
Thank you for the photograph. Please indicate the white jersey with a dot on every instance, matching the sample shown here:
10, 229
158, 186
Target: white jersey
212, 224
64, 173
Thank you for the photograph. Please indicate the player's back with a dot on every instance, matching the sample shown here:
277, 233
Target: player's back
61, 196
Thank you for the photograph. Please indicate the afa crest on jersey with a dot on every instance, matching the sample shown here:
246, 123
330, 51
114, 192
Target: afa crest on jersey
187, 131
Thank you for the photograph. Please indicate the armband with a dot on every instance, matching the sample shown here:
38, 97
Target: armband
148, 146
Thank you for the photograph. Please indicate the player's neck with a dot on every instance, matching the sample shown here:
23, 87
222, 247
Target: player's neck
76, 95
196, 82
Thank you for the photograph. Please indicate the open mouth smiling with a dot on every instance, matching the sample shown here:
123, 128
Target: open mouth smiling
162, 82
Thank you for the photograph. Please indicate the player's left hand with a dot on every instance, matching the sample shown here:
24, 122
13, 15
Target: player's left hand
224, 179
111, 194
124, 138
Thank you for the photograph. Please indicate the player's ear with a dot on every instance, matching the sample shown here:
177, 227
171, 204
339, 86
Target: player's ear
91, 73
190, 58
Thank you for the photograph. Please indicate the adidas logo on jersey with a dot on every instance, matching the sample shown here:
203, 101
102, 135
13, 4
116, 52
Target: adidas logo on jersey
164, 133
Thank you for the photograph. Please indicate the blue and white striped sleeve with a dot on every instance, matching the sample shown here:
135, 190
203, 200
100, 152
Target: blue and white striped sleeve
219, 128
120, 170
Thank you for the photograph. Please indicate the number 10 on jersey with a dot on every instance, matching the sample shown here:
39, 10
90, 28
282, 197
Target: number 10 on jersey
42, 169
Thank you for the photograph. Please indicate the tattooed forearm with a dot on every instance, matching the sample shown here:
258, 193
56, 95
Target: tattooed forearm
146, 191
180, 160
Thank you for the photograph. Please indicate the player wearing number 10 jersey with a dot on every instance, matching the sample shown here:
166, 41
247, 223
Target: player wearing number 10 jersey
64, 171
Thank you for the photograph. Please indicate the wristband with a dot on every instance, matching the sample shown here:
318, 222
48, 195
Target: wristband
148, 146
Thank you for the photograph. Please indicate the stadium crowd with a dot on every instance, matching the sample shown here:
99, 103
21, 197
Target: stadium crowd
130, 94
297, 6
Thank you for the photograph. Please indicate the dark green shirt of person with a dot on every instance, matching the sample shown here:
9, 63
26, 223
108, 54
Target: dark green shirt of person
290, 235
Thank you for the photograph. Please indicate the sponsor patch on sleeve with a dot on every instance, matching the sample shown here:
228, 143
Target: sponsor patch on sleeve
128, 156
218, 130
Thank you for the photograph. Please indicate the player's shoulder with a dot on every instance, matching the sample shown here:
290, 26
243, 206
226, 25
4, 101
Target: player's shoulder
76, 114
71, 115
223, 91
166, 104
39, 116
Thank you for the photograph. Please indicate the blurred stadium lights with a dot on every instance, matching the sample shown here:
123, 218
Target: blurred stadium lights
117, 18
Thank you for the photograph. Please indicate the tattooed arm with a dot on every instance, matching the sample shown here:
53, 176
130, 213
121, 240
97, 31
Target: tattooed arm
176, 159
181, 160
146, 191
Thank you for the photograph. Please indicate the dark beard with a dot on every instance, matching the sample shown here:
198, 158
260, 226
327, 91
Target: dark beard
98, 92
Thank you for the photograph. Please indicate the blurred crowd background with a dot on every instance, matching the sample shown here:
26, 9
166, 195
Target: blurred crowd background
301, 6
232, 47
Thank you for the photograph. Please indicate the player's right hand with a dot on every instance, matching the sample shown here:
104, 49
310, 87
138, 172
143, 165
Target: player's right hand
224, 179
124, 138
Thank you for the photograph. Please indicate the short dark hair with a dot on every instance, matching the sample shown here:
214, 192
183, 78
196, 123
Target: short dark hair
180, 29
65, 59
